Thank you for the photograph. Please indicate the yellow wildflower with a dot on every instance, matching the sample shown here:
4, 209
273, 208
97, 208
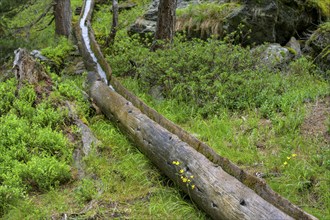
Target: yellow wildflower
294, 155
191, 176
288, 158
285, 163
181, 171
184, 179
189, 180
176, 162
192, 186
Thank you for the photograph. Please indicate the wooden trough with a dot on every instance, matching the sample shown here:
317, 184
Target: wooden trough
215, 184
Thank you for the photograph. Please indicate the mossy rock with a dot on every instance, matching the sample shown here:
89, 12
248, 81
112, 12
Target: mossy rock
254, 22
323, 6
318, 45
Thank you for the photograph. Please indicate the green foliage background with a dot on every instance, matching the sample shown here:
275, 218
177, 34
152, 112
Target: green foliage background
35, 154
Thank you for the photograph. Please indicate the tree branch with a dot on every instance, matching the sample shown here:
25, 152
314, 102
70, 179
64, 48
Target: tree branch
29, 26
16, 10
51, 21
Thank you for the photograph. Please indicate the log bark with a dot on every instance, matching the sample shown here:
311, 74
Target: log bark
211, 188
87, 141
165, 24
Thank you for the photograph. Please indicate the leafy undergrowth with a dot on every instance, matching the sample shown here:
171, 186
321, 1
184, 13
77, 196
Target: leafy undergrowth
294, 164
39, 177
38, 174
252, 112
246, 112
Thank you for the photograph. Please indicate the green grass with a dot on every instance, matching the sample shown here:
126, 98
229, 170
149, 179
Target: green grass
204, 17
261, 145
128, 178
258, 128
119, 180
248, 112
35, 154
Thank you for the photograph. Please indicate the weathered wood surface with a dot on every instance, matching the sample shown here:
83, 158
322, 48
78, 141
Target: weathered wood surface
26, 68
219, 194
252, 182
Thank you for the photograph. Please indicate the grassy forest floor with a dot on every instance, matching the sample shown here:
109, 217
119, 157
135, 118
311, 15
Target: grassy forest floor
268, 120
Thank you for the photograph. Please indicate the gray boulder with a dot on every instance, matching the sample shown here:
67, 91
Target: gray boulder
275, 56
295, 17
142, 27
257, 19
294, 47
318, 46
273, 20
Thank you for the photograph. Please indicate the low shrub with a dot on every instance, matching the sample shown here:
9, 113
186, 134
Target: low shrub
86, 191
7, 94
44, 173
212, 75
59, 53
34, 154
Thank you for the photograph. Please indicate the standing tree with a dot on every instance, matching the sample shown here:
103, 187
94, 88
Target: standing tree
165, 23
112, 35
62, 13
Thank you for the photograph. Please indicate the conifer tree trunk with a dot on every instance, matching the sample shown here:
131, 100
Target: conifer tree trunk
165, 23
62, 13
112, 35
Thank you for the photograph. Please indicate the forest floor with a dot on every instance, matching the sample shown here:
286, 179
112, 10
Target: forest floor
315, 122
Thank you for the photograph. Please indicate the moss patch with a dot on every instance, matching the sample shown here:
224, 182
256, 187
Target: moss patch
323, 5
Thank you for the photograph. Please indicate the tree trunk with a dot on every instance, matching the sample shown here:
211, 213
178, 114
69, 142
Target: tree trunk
62, 13
165, 23
112, 35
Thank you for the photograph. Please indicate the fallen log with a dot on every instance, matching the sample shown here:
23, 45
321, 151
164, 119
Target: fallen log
210, 187
260, 188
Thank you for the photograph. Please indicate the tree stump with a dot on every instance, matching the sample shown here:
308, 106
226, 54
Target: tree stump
27, 69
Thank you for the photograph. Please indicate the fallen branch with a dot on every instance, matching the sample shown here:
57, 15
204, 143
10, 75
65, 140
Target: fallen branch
29, 26
49, 23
